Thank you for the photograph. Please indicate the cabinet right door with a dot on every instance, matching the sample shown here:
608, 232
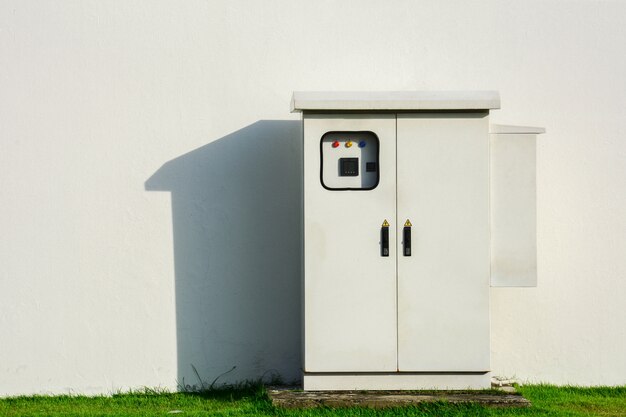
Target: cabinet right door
443, 286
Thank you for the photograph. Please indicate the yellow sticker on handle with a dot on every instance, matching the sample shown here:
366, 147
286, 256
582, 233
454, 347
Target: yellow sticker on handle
407, 223
385, 223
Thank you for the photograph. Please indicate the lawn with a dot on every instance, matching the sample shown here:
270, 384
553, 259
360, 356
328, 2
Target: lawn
253, 401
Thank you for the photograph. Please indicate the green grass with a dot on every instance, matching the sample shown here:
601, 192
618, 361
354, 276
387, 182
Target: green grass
253, 401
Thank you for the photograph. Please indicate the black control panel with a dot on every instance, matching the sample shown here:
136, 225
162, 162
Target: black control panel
348, 167
349, 160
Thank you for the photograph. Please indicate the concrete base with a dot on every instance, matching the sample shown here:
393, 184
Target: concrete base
395, 381
386, 399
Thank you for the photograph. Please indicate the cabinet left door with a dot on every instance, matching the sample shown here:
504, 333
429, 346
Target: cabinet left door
349, 287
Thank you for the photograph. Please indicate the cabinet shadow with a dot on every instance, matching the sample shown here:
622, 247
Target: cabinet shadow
236, 215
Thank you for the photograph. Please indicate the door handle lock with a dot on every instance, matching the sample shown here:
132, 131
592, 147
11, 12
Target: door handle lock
384, 239
406, 238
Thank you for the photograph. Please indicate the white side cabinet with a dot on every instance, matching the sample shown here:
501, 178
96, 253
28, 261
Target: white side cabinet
513, 206
397, 239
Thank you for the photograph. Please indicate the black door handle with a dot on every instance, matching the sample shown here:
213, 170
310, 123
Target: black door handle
406, 238
384, 239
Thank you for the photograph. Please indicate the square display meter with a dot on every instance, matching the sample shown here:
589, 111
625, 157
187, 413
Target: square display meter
349, 161
349, 167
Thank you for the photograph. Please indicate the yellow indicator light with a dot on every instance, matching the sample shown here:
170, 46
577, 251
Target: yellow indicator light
348, 144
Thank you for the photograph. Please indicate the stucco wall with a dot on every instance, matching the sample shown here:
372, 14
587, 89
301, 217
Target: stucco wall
150, 171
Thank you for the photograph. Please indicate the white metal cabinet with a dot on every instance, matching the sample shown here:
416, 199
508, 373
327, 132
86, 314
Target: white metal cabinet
399, 321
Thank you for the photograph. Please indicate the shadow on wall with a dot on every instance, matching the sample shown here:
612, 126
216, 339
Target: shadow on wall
236, 211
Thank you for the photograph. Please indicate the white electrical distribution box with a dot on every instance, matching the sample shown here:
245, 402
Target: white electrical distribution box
398, 251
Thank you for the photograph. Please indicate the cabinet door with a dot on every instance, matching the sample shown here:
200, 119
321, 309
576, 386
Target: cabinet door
349, 288
443, 286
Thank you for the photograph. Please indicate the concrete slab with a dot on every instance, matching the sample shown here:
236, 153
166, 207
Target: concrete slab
290, 398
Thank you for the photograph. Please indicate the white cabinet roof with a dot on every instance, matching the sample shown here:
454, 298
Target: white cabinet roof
394, 100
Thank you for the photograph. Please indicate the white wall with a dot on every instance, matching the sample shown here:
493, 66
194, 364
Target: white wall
149, 177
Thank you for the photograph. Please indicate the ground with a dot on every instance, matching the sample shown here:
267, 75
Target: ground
253, 401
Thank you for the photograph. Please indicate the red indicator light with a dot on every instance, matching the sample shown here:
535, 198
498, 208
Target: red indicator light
335, 144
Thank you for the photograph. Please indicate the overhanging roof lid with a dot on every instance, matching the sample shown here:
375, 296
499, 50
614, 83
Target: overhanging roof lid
508, 129
394, 100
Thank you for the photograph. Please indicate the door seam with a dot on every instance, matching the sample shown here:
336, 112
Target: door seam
397, 254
